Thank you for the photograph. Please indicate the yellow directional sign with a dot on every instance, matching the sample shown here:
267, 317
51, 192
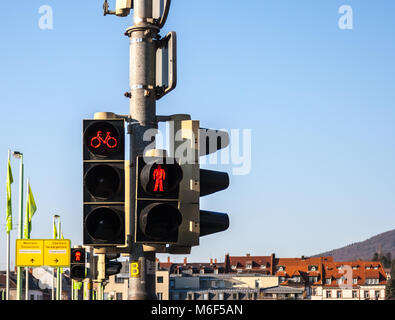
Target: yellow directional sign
41, 252
29, 253
57, 253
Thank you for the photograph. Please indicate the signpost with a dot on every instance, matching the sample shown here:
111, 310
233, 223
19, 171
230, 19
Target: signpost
41, 252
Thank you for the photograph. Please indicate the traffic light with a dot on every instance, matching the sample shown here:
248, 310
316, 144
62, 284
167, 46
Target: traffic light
77, 264
191, 143
104, 182
157, 217
112, 267
211, 181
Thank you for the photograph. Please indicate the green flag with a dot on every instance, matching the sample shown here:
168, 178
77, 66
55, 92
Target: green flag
9, 208
30, 210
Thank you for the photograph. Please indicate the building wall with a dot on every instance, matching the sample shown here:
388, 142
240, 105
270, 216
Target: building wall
162, 288
116, 291
347, 293
256, 282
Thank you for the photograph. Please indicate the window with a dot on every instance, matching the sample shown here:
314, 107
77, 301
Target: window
377, 294
176, 296
205, 296
159, 279
32, 297
328, 280
338, 294
119, 280
328, 294
354, 280
190, 296
296, 279
354, 294
160, 295
282, 279
372, 281
263, 266
366, 294
235, 296
233, 267
172, 284
314, 292
221, 296
313, 268
249, 266
119, 295
313, 279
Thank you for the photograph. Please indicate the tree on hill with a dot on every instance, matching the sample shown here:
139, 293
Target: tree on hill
384, 259
390, 289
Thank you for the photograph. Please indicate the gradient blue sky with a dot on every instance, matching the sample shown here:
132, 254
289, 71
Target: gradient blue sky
319, 101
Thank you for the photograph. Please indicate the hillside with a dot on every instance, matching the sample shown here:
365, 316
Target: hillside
365, 250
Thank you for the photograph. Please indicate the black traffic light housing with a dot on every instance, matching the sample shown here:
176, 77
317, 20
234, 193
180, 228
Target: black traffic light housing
77, 264
157, 217
112, 267
104, 182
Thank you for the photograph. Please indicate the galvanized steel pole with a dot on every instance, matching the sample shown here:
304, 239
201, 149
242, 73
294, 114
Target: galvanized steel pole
143, 35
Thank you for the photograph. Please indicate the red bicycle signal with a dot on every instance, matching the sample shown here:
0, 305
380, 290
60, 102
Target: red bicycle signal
109, 141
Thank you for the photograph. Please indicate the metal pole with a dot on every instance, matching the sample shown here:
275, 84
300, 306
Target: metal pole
27, 269
58, 275
8, 251
20, 228
142, 110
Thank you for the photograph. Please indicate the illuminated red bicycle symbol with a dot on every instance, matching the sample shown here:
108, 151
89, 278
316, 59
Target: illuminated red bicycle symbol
109, 141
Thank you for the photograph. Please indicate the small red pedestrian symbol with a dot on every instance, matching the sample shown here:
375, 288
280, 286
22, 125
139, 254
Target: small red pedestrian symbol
159, 176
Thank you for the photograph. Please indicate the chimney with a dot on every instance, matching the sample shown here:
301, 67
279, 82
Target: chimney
273, 262
247, 254
211, 262
185, 261
168, 259
215, 260
303, 258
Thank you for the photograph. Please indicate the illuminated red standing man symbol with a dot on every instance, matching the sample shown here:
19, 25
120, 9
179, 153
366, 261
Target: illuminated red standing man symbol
159, 176
78, 256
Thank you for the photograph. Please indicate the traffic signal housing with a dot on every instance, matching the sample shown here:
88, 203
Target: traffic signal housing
189, 144
157, 216
104, 182
112, 267
77, 264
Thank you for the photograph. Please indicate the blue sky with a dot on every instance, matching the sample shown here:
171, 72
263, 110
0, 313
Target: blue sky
318, 100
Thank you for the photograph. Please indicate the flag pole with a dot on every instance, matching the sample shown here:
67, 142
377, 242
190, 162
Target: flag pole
20, 227
58, 275
53, 269
27, 225
8, 240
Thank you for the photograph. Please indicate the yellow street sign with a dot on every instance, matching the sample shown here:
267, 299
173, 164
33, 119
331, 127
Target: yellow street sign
29, 253
135, 269
57, 253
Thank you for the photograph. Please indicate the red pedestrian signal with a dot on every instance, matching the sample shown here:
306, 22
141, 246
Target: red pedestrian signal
157, 215
159, 176
77, 264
